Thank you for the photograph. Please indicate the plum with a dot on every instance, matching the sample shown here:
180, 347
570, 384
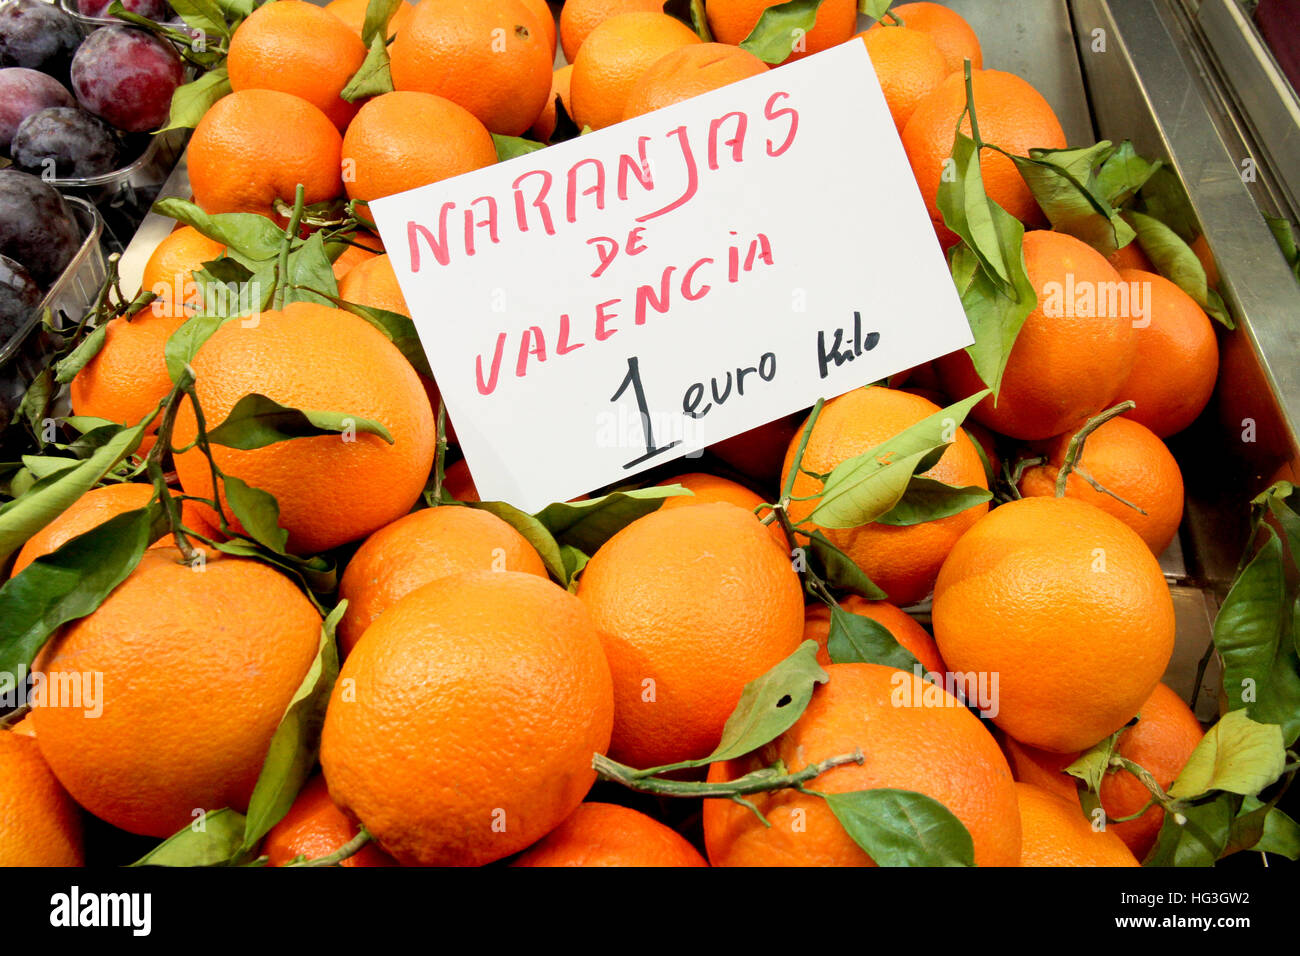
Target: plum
37, 228
22, 93
66, 141
127, 76
38, 36
19, 298
156, 10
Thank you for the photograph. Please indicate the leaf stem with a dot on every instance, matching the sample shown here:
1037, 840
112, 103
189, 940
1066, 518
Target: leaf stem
441, 454
1074, 450
153, 464
351, 848
290, 233
758, 781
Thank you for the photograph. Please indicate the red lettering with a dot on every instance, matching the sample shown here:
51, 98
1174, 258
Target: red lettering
689, 278
634, 246
737, 141
606, 252
564, 347
638, 166
692, 177
486, 388
438, 245
761, 248
539, 202
597, 190
527, 348
490, 222
645, 295
602, 317
773, 114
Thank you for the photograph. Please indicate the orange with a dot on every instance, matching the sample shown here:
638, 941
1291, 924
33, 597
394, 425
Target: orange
1161, 741
1177, 360
902, 560
330, 488
24, 726
373, 283
353, 13
579, 17
1042, 768
39, 823
546, 18
256, 146
691, 605
297, 47
544, 128
421, 547
1127, 459
733, 20
350, 256
128, 377
1201, 247
1012, 115
908, 633
459, 482
1068, 606
89, 511
950, 31
1072, 353
1131, 257
197, 669
758, 453
613, 58
490, 56
1056, 833
169, 273
476, 705
688, 72
707, 488
909, 66
940, 750
605, 834
315, 827
403, 140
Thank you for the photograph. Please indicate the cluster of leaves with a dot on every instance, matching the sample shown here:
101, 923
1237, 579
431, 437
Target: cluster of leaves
783, 25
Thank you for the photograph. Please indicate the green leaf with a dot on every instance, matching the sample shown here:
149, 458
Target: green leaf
378, 14
66, 369
185, 342
574, 561
214, 845
1175, 260
375, 76
255, 237
257, 512
1092, 765
968, 211
903, 828
1199, 840
1122, 174
995, 315
399, 329
1236, 754
292, 754
1286, 242
42, 466
1279, 833
310, 270
536, 533
691, 13
586, 525
193, 99
509, 147
1062, 180
70, 583
35, 402
205, 15
839, 570
867, 486
857, 639
874, 8
780, 28
929, 500
257, 421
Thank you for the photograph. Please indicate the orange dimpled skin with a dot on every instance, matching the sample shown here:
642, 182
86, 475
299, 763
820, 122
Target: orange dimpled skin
942, 751
463, 724
404, 140
605, 834
197, 668
909, 67
688, 72
1056, 833
315, 827
169, 273
544, 128
949, 30
374, 283
421, 547
353, 13
733, 20
1042, 768
691, 605
256, 146
1068, 606
705, 488
579, 17
490, 56
89, 511
911, 635
39, 823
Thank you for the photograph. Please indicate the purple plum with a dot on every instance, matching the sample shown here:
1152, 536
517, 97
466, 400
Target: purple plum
22, 93
127, 77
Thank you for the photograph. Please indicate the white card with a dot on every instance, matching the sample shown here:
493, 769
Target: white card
736, 276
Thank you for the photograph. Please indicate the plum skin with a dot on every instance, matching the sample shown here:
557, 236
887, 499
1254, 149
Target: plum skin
22, 93
127, 77
37, 229
38, 36
77, 143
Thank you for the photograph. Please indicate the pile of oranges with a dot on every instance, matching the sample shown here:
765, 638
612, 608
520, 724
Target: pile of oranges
474, 689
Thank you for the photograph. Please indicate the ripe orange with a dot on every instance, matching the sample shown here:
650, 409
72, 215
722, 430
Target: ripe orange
544, 128
39, 823
710, 488
24, 726
950, 31
605, 834
421, 547
478, 701
490, 56
197, 669
1068, 606
942, 751
733, 20
579, 17
1177, 360
908, 65
256, 146
902, 560
353, 13
373, 283
1127, 459
89, 511
297, 47
1011, 113
1042, 768
1201, 247
315, 827
546, 18
1069, 359
688, 72
613, 58
128, 377
758, 453
331, 488
459, 482
913, 637
1056, 833
691, 604
405, 139
169, 273
1161, 741
351, 256
1130, 257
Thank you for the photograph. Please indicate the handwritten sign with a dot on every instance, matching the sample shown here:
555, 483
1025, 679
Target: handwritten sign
614, 302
